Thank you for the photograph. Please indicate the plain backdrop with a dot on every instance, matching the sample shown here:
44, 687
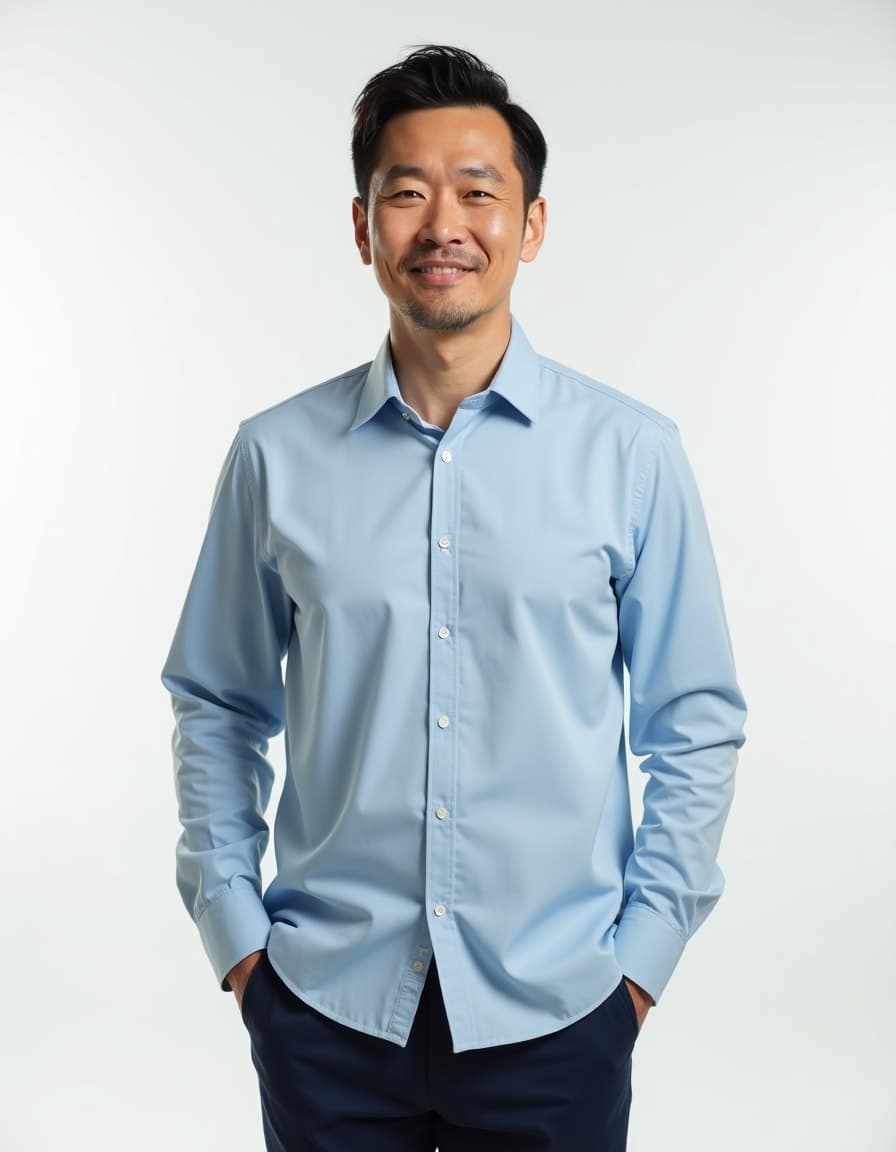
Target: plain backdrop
176, 254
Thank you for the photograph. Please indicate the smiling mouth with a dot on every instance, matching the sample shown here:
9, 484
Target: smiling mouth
441, 269
441, 275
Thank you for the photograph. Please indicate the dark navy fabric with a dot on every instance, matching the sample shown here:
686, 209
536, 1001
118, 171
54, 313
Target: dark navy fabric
326, 1087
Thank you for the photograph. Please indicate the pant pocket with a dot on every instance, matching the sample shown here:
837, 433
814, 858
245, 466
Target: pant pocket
631, 1013
254, 990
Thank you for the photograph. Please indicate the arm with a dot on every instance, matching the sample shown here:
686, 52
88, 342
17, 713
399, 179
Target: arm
238, 976
224, 675
686, 715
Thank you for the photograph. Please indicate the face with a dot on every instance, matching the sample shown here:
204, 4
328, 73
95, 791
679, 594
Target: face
445, 226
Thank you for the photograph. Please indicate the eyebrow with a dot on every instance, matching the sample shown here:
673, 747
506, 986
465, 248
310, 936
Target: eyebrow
476, 171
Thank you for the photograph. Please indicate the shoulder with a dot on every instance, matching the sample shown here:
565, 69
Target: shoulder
559, 381
314, 409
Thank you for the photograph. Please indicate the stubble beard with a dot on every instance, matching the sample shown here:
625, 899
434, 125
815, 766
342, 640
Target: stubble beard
445, 317
437, 313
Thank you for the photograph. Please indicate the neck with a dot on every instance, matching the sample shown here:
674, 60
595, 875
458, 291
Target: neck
436, 370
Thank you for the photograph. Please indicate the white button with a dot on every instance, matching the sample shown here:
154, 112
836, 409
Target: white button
447, 457
441, 813
439, 909
444, 541
444, 633
443, 721
405, 415
418, 966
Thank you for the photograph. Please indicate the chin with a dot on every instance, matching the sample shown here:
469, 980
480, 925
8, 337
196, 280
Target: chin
443, 318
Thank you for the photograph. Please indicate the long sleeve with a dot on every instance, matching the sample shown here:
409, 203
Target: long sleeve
224, 675
686, 715
440, 621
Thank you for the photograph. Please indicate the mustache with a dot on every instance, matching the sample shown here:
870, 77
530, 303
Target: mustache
449, 254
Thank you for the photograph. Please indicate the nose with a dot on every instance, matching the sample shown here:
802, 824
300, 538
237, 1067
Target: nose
443, 222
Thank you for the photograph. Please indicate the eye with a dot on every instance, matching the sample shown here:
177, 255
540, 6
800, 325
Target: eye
404, 193
480, 193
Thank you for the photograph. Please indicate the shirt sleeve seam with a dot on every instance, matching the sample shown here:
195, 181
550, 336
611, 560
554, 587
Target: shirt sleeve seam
254, 497
637, 905
637, 500
226, 891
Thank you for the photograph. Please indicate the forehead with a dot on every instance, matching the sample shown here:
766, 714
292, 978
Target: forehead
448, 138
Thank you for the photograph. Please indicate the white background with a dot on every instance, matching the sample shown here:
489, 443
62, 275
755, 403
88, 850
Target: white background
176, 254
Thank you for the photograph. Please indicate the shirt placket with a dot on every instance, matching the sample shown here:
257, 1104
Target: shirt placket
444, 577
443, 728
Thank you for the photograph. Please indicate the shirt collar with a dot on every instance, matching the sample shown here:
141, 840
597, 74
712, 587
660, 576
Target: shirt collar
516, 379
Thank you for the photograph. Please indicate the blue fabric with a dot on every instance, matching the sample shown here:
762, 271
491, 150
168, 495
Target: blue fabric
456, 609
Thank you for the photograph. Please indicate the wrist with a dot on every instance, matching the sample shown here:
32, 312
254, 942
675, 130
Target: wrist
639, 993
239, 974
641, 1000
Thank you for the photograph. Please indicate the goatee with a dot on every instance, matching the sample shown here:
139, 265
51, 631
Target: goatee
446, 318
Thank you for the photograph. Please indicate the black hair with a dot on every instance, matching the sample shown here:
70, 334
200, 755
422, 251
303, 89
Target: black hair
438, 76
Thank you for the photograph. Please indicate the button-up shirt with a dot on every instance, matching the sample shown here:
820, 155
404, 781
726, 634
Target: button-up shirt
454, 610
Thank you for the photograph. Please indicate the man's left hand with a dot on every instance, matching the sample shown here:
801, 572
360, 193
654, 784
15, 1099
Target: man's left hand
642, 1000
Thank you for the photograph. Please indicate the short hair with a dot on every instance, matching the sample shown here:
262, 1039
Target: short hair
439, 76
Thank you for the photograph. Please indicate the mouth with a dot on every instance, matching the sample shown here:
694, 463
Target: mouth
441, 273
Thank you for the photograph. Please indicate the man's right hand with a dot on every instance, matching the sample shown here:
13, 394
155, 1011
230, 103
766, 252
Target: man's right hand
239, 974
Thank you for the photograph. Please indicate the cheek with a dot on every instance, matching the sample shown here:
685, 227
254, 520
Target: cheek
501, 237
389, 245
384, 271
384, 258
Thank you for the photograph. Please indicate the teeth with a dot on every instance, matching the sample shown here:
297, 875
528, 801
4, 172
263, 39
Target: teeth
442, 271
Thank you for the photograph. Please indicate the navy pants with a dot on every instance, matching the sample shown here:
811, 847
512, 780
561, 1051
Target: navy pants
326, 1087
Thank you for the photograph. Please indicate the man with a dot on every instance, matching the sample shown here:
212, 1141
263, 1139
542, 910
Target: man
457, 547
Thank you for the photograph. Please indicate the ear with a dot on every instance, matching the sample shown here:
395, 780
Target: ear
362, 234
533, 232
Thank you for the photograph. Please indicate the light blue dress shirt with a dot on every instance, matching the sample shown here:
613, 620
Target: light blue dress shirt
455, 608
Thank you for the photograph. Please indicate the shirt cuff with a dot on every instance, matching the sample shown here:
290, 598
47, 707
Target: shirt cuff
232, 926
647, 948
